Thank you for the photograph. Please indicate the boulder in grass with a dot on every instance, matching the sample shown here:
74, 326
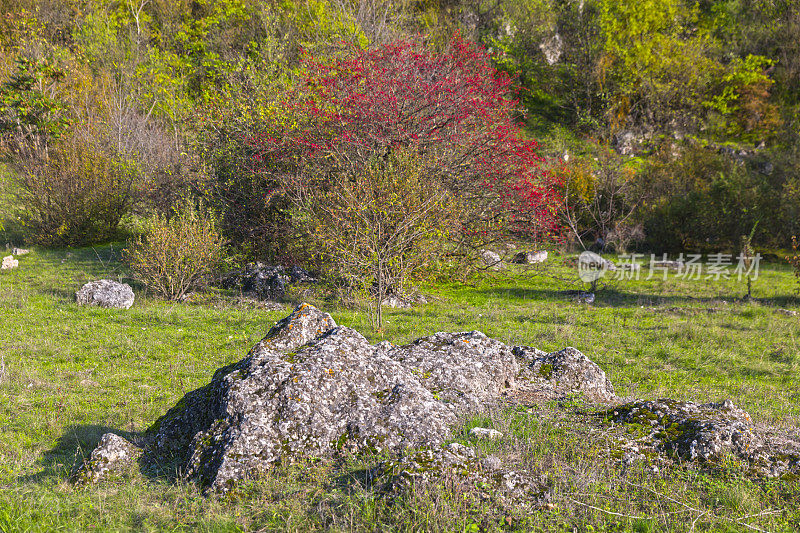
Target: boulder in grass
113, 457
106, 293
9, 262
314, 389
530, 258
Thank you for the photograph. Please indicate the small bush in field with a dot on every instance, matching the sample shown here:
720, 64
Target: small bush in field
178, 254
77, 195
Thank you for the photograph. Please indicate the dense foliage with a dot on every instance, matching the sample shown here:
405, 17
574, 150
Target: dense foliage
692, 107
177, 255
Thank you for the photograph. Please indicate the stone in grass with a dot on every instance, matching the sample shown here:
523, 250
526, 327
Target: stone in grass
707, 432
485, 434
563, 373
9, 262
529, 258
114, 457
106, 293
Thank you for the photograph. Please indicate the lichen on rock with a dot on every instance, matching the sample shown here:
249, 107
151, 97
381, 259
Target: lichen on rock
113, 457
561, 373
467, 369
709, 432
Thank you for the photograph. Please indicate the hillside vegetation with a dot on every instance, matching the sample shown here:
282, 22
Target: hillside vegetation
670, 124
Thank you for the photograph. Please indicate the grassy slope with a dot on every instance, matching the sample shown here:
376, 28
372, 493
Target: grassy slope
71, 373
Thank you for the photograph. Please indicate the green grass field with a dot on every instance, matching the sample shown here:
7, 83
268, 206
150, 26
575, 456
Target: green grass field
70, 373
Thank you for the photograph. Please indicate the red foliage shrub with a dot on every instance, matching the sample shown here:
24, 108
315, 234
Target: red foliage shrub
452, 108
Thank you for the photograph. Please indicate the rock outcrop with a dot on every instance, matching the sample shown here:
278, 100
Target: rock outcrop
106, 293
314, 389
114, 457
708, 432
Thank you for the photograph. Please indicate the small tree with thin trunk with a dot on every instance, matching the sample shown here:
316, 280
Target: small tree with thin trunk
381, 225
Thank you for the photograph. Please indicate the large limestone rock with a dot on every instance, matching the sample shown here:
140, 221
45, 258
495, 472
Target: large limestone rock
558, 374
113, 457
106, 293
196, 411
314, 389
707, 432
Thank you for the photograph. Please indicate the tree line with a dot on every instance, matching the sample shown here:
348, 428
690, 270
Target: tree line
661, 124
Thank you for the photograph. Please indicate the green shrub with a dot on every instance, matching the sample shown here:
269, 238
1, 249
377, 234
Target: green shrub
178, 254
76, 195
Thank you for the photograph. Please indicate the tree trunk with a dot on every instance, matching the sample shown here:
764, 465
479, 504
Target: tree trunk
379, 302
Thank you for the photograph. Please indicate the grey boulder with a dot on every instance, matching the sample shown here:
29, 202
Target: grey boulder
561, 373
113, 457
106, 293
314, 389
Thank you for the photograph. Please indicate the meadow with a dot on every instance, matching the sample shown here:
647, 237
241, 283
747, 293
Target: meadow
70, 373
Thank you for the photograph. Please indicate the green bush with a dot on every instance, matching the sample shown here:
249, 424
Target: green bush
177, 255
76, 195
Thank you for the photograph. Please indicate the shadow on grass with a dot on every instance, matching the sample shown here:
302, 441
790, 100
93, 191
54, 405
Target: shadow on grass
73, 446
617, 298
77, 444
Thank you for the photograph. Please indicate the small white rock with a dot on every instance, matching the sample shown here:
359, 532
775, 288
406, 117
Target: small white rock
9, 262
485, 433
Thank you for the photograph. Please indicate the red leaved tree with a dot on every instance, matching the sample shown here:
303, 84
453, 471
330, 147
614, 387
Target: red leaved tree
449, 114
